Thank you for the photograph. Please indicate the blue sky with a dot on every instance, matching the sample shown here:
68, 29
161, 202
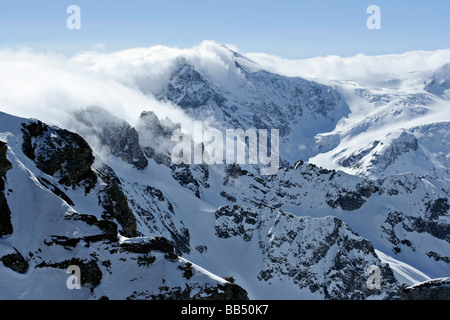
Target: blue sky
288, 28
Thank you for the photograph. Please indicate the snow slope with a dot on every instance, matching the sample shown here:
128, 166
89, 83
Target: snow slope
49, 236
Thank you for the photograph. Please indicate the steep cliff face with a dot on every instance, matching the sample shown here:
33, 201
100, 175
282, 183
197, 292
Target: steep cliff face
259, 99
6, 227
320, 255
111, 135
58, 152
75, 227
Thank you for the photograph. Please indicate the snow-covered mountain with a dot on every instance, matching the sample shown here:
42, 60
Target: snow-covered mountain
363, 184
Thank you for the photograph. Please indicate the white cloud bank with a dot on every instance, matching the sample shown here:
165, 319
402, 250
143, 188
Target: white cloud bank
357, 68
49, 86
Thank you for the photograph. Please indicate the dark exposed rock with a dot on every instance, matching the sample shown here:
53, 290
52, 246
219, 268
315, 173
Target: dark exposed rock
234, 171
58, 151
16, 262
154, 129
121, 139
294, 250
90, 271
159, 157
404, 143
424, 224
189, 89
353, 200
115, 203
183, 175
145, 261
5, 165
154, 244
438, 257
109, 228
227, 196
188, 272
230, 291
6, 227
352, 160
201, 249
435, 228
181, 240
223, 292
350, 202
439, 207
436, 289
32, 131
66, 242
124, 143
235, 222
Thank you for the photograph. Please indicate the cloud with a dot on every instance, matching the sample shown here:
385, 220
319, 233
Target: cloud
49, 86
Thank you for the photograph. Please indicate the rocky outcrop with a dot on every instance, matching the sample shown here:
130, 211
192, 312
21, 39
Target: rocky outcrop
236, 222
269, 98
221, 292
67, 155
191, 290
190, 90
6, 227
91, 274
404, 143
332, 261
379, 156
156, 133
115, 203
436, 289
61, 153
226, 292
121, 139
107, 228
155, 136
16, 262
148, 245
321, 255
